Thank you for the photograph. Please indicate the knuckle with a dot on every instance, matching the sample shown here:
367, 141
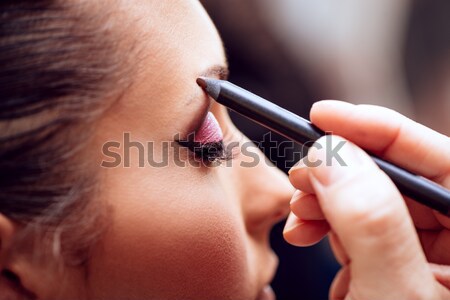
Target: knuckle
370, 208
374, 211
375, 222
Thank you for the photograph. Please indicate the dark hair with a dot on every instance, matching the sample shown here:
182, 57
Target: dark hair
60, 69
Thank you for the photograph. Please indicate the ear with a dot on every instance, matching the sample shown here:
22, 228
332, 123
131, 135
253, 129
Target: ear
11, 286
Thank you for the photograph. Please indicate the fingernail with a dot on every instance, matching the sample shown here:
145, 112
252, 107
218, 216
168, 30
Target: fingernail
334, 158
299, 165
295, 197
332, 104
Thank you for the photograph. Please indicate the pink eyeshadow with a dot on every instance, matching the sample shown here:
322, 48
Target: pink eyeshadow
209, 131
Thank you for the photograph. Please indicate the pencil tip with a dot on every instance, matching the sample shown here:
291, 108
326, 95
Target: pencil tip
210, 86
202, 82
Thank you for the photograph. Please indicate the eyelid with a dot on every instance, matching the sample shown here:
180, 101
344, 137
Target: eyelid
212, 152
199, 117
202, 118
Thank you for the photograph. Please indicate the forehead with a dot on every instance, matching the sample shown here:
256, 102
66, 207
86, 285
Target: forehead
176, 36
174, 42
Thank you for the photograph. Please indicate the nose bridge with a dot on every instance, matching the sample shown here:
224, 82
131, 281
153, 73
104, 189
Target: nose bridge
265, 196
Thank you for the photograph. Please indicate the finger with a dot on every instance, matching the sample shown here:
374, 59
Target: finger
306, 207
340, 285
369, 216
337, 249
388, 134
298, 176
444, 220
442, 274
304, 233
436, 245
424, 218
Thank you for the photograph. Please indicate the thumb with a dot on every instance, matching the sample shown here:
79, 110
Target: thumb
369, 216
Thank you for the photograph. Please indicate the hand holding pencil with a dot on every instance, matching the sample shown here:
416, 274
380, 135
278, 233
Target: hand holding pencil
389, 247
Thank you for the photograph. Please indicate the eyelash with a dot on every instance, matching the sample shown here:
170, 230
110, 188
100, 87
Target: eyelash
209, 153
213, 153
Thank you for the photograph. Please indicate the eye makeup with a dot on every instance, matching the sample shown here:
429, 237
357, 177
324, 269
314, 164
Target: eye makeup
206, 143
209, 131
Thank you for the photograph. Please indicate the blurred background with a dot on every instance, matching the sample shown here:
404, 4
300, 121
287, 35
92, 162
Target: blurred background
295, 52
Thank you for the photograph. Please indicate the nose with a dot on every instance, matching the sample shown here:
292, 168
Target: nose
265, 193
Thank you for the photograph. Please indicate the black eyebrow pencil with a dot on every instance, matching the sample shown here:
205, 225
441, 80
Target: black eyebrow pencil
304, 132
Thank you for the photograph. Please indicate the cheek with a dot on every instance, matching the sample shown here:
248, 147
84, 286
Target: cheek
167, 243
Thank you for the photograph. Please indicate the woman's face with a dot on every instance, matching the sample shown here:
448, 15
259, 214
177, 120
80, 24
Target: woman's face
179, 232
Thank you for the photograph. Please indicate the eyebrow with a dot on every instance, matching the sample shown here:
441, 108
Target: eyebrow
219, 71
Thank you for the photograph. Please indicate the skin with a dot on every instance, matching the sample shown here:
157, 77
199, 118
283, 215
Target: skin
388, 246
173, 232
